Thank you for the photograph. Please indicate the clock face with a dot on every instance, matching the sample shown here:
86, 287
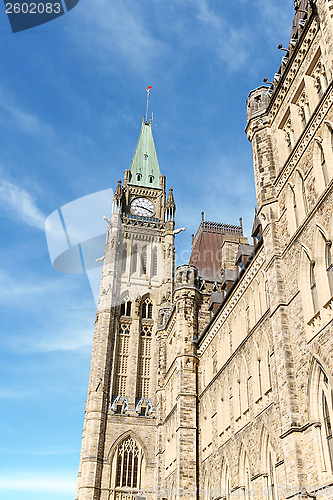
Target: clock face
143, 207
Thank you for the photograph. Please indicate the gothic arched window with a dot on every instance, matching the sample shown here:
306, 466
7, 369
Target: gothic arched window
128, 475
324, 165
313, 286
225, 482
268, 463
125, 308
321, 405
294, 204
329, 264
244, 473
147, 309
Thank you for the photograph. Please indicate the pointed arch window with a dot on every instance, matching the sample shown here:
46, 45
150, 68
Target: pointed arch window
128, 463
237, 400
305, 200
329, 263
324, 165
313, 286
244, 389
326, 394
147, 309
225, 482
321, 404
294, 204
245, 476
259, 368
269, 460
271, 477
125, 308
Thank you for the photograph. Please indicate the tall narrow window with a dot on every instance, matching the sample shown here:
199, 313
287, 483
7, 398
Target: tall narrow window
313, 287
271, 477
147, 309
121, 360
245, 476
324, 165
329, 264
144, 362
269, 369
327, 415
154, 264
125, 308
268, 461
144, 261
134, 259
321, 404
236, 395
225, 482
123, 260
305, 200
294, 203
259, 376
128, 469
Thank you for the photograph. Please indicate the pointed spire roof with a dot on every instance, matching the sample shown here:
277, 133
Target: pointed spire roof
145, 170
170, 201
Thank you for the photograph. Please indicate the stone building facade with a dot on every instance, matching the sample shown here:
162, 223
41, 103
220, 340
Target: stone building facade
216, 379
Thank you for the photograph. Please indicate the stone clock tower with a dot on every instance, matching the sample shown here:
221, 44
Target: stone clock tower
119, 443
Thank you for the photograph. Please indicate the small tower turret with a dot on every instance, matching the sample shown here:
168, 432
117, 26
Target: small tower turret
117, 199
170, 207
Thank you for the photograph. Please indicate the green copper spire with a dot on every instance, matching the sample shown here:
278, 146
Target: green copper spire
145, 170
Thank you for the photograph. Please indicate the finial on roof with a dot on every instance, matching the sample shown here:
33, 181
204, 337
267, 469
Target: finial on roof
203, 216
170, 201
241, 222
118, 191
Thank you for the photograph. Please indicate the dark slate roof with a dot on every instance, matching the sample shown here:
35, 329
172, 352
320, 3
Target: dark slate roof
244, 250
256, 224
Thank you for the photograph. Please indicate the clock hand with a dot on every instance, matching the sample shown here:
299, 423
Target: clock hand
144, 208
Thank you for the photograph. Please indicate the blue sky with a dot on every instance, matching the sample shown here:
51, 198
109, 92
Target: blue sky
72, 96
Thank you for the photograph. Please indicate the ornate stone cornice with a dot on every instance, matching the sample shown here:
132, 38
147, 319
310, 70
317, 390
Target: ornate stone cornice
305, 139
298, 57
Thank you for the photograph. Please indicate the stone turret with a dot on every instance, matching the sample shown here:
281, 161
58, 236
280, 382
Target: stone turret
257, 102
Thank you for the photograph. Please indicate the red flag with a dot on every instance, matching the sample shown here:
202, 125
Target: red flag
148, 89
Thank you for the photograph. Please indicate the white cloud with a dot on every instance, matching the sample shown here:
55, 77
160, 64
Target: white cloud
18, 204
31, 482
28, 122
67, 340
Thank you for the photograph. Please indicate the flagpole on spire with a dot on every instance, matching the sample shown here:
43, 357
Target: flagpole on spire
148, 92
